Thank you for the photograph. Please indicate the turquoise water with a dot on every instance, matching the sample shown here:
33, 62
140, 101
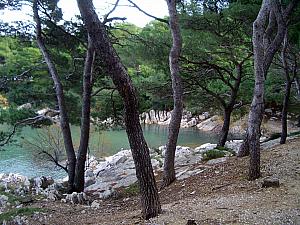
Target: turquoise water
24, 156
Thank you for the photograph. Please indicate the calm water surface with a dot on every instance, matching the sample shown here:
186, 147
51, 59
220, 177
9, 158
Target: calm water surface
23, 156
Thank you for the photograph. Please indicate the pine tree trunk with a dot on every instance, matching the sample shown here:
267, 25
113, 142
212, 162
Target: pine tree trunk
225, 127
270, 17
85, 119
284, 112
251, 143
297, 82
63, 115
288, 85
174, 126
229, 108
111, 64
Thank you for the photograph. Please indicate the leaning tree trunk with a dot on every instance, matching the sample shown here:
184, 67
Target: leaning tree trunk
85, 119
174, 126
229, 108
264, 48
64, 120
111, 64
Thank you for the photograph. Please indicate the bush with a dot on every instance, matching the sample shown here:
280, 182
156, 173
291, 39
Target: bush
7, 216
213, 154
221, 148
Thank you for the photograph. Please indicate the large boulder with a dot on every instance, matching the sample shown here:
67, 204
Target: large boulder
234, 145
212, 124
118, 158
205, 147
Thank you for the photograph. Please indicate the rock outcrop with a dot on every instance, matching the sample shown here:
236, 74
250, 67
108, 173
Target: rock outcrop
203, 122
104, 175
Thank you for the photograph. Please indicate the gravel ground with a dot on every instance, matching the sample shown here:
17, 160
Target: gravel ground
221, 194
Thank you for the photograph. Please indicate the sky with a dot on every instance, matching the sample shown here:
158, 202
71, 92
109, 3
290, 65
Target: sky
156, 8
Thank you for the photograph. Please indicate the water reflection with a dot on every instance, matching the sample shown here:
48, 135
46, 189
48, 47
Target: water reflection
25, 159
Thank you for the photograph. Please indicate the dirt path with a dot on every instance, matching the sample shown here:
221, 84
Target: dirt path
220, 194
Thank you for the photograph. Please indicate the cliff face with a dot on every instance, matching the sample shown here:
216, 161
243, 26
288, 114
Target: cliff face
203, 122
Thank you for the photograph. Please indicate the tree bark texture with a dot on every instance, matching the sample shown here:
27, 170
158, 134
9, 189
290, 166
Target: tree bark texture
111, 64
288, 85
64, 120
174, 126
297, 82
230, 106
225, 128
264, 48
85, 119
284, 112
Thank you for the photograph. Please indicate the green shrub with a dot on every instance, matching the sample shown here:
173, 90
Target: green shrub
294, 133
7, 216
11, 197
213, 154
221, 148
132, 189
274, 136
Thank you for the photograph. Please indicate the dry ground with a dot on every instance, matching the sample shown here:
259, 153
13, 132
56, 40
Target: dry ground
220, 194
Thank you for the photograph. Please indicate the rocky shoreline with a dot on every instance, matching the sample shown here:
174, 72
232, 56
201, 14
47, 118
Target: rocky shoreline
204, 121
106, 175
213, 123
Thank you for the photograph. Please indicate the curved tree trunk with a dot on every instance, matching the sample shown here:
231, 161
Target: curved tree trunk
265, 45
85, 119
63, 115
229, 108
112, 65
174, 126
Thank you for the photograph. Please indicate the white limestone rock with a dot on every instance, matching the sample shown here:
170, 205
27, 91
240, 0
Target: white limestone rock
3, 200
119, 157
89, 181
188, 173
211, 124
89, 173
234, 145
106, 194
95, 204
216, 161
205, 147
77, 198
25, 106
